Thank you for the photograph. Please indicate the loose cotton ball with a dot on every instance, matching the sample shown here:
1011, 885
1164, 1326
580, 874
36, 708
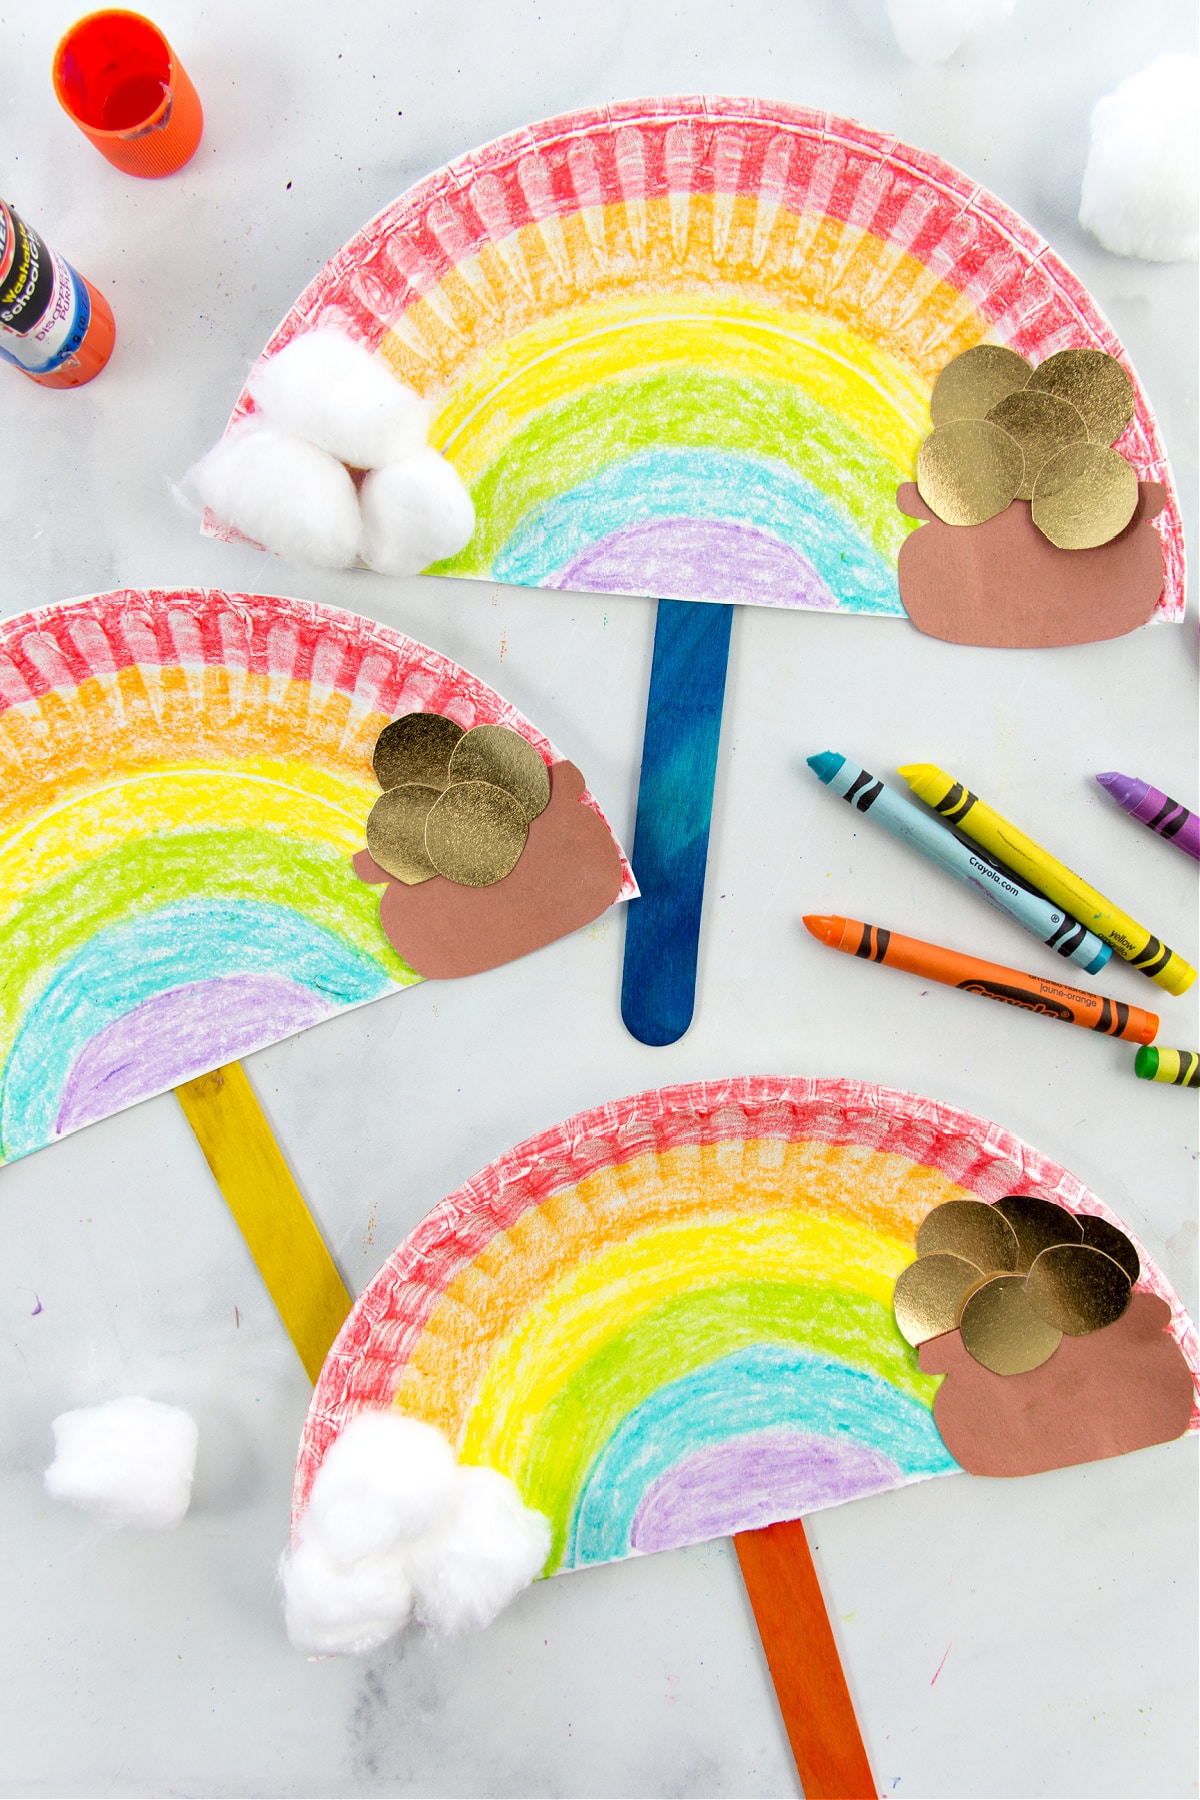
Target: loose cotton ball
1141, 191
929, 31
332, 392
414, 513
288, 495
395, 1524
131, 1462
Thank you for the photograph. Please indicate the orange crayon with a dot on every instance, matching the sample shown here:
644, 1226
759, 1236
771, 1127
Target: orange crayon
1011, 986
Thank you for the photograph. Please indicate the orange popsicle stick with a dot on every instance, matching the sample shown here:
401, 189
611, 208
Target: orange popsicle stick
802, 1655
1033, 993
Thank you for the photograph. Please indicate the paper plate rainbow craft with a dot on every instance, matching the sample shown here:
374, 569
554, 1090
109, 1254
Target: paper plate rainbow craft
670, 1319
684, 347
184, 779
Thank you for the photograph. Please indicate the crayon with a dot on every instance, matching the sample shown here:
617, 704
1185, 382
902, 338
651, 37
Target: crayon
961, 807
1180, 1067
998, 885
991, 980
1155, 809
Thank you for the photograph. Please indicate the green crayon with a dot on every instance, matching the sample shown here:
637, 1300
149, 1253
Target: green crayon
1180, 1067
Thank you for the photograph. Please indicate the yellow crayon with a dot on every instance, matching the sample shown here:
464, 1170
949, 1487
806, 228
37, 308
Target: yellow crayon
958, 806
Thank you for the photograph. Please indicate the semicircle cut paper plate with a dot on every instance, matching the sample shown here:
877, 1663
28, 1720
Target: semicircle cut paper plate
185, 779
670, 1318
685, 347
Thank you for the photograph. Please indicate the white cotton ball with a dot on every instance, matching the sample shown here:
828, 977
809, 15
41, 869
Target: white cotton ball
130, 1461
386, 1479
929, 31
289, 496
331, 391
414, 513
1140, 193
492, 1547
336, 1609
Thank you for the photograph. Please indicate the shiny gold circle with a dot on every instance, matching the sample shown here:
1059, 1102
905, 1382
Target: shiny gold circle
396, 832
1103, 1236
1084, 496
971, 384
1038, 1224
1041, 424
496, 754
415, 749
475, 833
1096, 386
969, 471
1001, 1330
972, 1230
929, 1293
1077, 1289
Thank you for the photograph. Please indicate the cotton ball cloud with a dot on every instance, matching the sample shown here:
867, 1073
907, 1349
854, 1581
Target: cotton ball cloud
288, 495
385, 1480
395, 1526
929, 31
490, 1547
130, 1462
1141, 192
330, 391
343, 1609
414, 513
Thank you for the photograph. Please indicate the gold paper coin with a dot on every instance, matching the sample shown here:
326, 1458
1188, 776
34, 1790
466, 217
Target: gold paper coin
1001, 1330
971, 384
969, 471
1096, 386
1038, 1224
493, 753
416, 749
1041, 424
1103, 1236
1084, 496
929, 1293
475, 833
396, 832
968, 1228
1077, 1289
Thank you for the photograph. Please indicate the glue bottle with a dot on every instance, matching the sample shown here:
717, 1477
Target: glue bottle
53, 323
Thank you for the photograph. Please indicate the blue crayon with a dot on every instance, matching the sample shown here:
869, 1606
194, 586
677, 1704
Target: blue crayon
966, 862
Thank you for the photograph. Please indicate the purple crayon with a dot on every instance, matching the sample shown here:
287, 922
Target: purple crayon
1155, 809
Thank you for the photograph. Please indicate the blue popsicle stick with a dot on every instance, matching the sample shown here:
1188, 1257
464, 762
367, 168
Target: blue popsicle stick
674, 812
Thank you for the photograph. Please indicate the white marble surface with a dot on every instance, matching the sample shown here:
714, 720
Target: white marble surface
1001, 1639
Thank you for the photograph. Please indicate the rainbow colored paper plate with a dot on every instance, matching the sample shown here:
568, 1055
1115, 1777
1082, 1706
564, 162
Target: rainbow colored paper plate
685, 347
670, 1318
185, 778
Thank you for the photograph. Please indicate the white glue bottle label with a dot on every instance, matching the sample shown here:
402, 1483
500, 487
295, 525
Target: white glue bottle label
47, 310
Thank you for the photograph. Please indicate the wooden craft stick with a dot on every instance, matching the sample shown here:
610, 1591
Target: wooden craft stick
250, 1170
674, 812
802, 1655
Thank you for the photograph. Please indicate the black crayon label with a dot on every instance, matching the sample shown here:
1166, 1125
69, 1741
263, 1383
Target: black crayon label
1015, 996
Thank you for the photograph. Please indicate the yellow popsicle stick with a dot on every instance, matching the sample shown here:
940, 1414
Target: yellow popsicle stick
1002, 839
283, 1239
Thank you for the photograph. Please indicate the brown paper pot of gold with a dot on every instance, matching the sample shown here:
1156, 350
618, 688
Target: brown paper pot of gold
1122, 1388
1002, 584
568, 872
